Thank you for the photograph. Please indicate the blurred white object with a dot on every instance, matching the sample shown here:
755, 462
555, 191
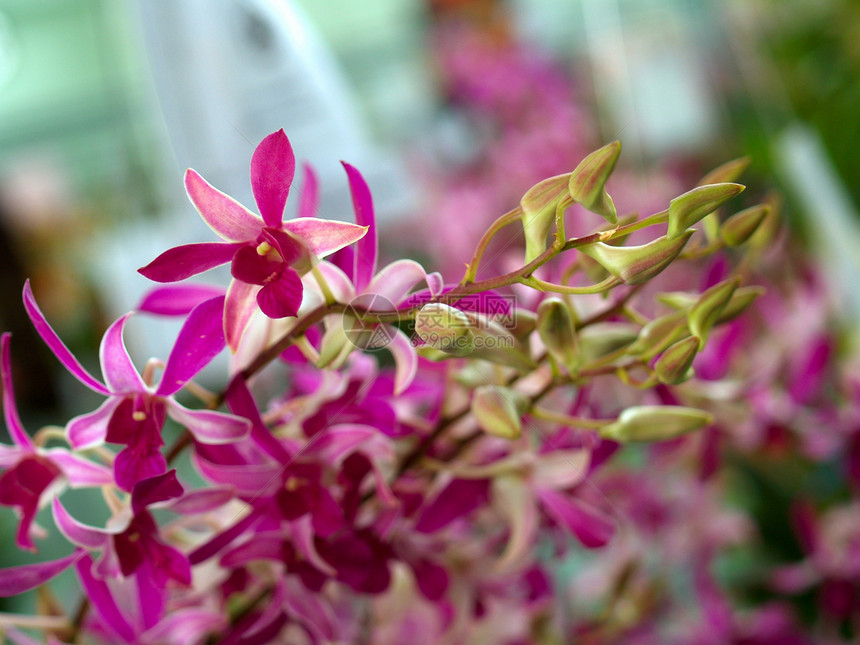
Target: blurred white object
833, 221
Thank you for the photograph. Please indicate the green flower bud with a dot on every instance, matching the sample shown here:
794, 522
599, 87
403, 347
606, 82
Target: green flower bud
742, 298
335, 345
673, 366
595, 341
446, 329
498, 410
705, 313
588, 181
729, 171
738, 228
680, 300
635, 264
687, 209
655, 423
539, 207
658, 334
557, 331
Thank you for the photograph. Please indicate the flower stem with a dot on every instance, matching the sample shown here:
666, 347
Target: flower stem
508, 218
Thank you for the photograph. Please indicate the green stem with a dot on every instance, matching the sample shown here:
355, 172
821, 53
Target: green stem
508, 218
600, 287
568, 420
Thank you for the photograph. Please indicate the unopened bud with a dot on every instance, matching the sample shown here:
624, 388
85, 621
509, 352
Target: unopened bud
729, 171
588, 181
705, 313
636, 264
655, 423
599, 339
739, 227
742, 298
673, 367
658, 334
539, 206
687, 209
445, 328
557, 331
498, 410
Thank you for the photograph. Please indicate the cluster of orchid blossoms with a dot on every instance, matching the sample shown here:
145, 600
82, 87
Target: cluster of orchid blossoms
396, 452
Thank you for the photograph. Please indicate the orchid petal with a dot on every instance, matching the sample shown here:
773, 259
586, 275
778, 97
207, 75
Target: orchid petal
241, 402
88, 430
313, 613
10, 408
288, 246
187, 260
79, 534
405, 359
514, 500
17, 580
562, 469
102, 601
221, 540
153, 490
253, 268
249, 479
396, 280
366, 251
310, 193
303, 539
177, 300
200, 340
132, 465
282, 297
57, 346
10, 455
324, 236
151, 596
79, 471
339, 440
239, 306
224, 215
203, 500
273, 166
119, 372
261, 546
188, 625
459, 498
590, 525
209, 426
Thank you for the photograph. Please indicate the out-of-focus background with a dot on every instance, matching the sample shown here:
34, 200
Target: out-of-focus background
450, 108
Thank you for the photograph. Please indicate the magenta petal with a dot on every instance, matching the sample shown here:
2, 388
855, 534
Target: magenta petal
272, 168
241, 402
200, 340
239, 305
102, 601
290, 247
154, 490
253, 268
324, 236
365, 251
248, 479
10, 409
88, 537
88, 430
79, 471
135, 464
177, 300
310, 193
186, 626
261, 546
53, 341
224, 215
223, 539
281, 297
203, 500
17, 580
459, 498
209, 426
187, 260
118, 370
151, 596
590, 525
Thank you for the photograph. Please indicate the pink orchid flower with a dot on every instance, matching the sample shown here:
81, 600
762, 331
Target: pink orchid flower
29, 473
135, 411
267, 254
